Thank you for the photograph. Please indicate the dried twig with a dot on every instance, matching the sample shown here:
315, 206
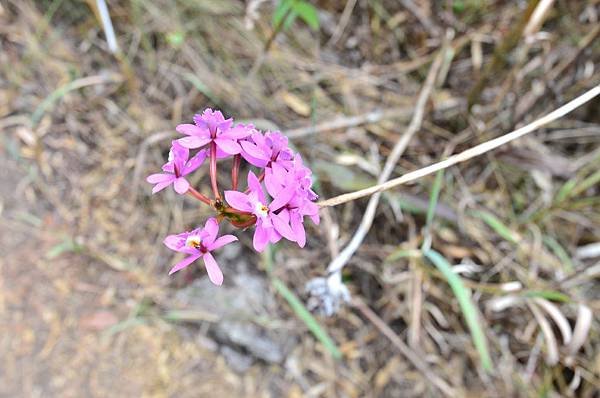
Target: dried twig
366, 118
403, 348
344, 19
365, 225
107, 26
469, 153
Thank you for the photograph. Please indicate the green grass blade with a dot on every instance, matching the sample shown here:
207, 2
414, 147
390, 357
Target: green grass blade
549, 295
463, 295
559, 252
306, 317
433, 196
565, 190
587, 183
494, 223
308, 13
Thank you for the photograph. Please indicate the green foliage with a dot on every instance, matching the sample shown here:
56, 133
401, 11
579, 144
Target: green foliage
494, 223
310, 321
461, 292
463, 295
298, 307
288, 10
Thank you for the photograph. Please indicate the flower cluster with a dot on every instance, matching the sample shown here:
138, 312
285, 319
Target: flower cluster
276, 201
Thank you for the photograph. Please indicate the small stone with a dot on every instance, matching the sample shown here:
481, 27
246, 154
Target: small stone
236, 360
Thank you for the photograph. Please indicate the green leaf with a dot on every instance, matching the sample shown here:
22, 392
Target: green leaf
282, 9
289, 20
559, 252
470, 312
403, 253
565, 190
65, 246
549, 295
494, 223
308, 13
433, 198
306, 317
175, 39
589, 182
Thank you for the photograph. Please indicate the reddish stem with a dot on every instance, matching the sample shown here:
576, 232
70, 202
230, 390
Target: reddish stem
235, 171
213, 170
198, 196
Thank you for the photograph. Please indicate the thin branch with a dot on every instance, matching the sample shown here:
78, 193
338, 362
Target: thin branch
372, 117
408, 353
344, 19
469, 153
365, 225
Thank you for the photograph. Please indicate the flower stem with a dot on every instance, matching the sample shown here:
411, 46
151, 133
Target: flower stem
213, 170
198, 196
235, 171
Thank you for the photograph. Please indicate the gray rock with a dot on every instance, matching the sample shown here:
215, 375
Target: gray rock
236, 360
244, 313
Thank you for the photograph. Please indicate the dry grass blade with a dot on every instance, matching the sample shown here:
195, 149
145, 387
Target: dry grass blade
469, 153
582, 328
414, 126
412, 356
549, 338
558, 318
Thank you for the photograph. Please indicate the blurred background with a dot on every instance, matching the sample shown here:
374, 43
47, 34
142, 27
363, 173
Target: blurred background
86, 305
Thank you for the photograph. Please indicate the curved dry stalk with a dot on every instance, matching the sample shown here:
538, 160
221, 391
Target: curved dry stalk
415, 124
469, 153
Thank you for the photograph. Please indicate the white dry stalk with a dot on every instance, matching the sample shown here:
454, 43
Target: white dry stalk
549, 338
558, 318
582, 328
469, 153
344, 19
109, 32
365, 225
537, 17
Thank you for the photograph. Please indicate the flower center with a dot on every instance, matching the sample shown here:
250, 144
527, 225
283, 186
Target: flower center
261, 210
193, 241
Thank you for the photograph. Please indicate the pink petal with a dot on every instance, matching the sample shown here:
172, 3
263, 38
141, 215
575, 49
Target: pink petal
238, 132
181, 185
261, 238
255, 187
228, 145
212, 268
194, 162
222, 241
273, 186
192, 129
160, 177
212, 229
253, 150
174, 242
192, 142
282, 198
160, 186
184, 263
238, 200
315, 218
298, 228
282, 227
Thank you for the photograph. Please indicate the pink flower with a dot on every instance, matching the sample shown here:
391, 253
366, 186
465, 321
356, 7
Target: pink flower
177, 167
270, 226
198, 244
263, 150
281, 182
211, 126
